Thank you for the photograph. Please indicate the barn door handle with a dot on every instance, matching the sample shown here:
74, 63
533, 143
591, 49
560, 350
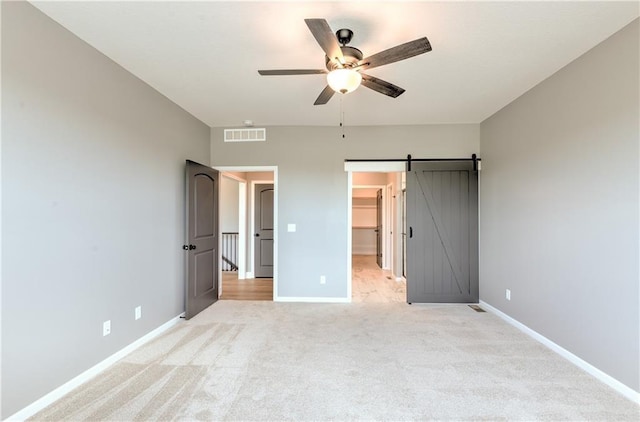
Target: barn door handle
410, 232
192, 247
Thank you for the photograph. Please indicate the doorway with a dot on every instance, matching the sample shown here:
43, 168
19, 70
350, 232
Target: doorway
373, 263
242, 284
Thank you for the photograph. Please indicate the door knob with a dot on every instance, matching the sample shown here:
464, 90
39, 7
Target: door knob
185, 247
192, 247
257, 234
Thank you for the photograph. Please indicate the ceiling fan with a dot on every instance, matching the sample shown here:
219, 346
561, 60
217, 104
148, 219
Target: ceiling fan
344, 64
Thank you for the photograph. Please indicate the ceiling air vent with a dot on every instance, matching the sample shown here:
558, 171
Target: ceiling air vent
245, 135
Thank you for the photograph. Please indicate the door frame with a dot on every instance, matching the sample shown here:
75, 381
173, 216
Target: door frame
357, 167
389, 228
249, 169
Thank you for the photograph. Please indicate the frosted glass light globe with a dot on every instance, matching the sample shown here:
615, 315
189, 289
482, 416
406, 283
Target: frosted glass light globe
344, 80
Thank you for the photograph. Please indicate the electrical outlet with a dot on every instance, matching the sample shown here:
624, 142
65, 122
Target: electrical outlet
138, 312
507, 294
323, 279
106, 328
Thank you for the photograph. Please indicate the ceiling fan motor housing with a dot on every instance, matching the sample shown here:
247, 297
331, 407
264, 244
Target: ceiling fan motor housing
351, 58
344, 36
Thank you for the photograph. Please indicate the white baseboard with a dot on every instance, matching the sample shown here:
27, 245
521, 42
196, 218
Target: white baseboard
67, 387
312, 299
249, 274
626, 391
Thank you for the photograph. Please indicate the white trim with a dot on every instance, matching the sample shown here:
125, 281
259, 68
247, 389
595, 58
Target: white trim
242, 229
349, 232
275, 232
90, 373
396, 222
248, 274
388, 227
312, 299
244, 169
375, 166
626, 391
383, 228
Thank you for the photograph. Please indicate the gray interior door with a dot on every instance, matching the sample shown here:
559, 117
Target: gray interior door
263, 254
379, 228
442, 220
202, 238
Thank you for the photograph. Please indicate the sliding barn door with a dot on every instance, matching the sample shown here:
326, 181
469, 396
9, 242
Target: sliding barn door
202, 235
442, 224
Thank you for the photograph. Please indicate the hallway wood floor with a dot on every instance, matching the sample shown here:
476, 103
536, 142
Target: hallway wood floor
371, 284
247, 289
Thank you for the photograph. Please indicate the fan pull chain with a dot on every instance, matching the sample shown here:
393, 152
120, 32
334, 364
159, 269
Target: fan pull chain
342, 116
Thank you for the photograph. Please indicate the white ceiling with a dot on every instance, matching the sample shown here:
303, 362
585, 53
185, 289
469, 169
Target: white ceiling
204, 56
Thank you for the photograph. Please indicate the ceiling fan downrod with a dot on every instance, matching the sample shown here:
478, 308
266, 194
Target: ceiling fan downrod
344, 36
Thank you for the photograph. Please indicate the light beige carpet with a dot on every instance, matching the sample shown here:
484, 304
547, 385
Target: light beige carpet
242, 360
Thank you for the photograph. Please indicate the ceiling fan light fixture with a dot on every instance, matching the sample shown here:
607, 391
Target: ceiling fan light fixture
344, 80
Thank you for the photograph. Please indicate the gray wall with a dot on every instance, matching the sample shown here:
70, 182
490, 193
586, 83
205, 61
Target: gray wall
559, 208
229, 197
312, 188
92, 207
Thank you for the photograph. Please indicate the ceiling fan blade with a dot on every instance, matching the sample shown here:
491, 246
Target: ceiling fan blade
324, 96
381, 86
397, 53
292, 72
326, 38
